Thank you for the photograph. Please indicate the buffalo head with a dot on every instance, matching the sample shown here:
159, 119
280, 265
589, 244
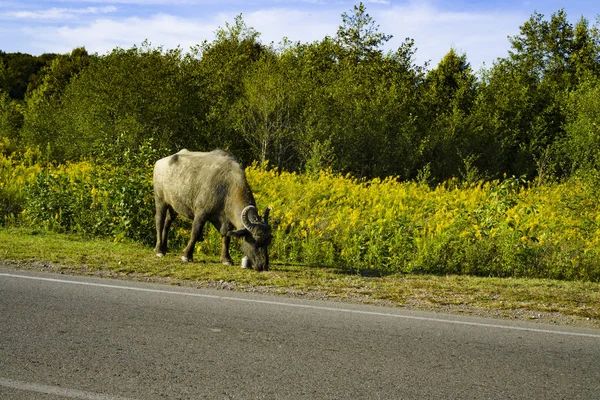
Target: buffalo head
256, 237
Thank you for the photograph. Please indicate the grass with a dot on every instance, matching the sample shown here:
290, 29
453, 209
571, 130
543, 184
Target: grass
561, 302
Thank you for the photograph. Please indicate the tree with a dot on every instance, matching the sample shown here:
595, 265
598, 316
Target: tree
586, 50
11, 118
549, 51
317, 66
20, 70
267, 110
522, 101
359, 35
580, 147
448, 96
56, 76
451, 85
223, 65
120, 102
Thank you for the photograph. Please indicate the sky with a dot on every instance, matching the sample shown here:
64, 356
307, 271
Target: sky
477, 28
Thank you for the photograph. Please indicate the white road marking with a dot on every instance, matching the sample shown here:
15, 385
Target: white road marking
307, 306
57, 390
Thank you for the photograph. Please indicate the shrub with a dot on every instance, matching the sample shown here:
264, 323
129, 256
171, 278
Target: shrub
15, 174
501, 228
93, 200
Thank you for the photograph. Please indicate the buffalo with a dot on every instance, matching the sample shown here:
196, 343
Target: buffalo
210, 186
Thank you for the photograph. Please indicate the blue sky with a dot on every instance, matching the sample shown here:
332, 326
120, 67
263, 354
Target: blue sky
478, 28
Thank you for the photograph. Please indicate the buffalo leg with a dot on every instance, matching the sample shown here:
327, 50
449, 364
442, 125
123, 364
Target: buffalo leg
171, 214
197, 227
225, 258
161, 240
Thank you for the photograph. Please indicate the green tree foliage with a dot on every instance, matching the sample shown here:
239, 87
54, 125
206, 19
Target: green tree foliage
268, 110
502, 114
56, 76
359, 35
11, 118
19, 71
373, 104
361, 102
581, 145
585, 57
121, 102
520, 108
543, 47
220, 73
448, 96
44, 101
340, 103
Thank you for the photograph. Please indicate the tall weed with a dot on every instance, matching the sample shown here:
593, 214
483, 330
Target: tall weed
15, 175
502, 228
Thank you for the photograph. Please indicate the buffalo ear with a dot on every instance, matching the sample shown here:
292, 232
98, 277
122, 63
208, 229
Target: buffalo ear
239, 233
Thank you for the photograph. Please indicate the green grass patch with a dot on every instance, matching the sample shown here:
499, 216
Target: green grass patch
548, 300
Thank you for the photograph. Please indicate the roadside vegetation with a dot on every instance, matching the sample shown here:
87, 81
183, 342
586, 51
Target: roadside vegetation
499, 248
504, 228
418, 185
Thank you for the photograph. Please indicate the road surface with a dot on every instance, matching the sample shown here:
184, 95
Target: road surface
90, 338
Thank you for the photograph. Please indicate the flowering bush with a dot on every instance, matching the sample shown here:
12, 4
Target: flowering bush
92, 200
15, 176
501, 228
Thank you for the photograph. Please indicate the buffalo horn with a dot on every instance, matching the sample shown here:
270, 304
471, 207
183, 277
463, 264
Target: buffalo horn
247, 220
266, 215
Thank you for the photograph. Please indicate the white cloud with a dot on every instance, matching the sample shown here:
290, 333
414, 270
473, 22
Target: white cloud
304, 26
482, 36
103, 35
170, 31
378, 2
57, 13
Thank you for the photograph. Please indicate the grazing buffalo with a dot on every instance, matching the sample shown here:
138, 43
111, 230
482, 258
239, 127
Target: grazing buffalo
210, 187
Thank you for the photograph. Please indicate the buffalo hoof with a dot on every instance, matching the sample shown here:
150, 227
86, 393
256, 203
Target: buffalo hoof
227, 262
246, 263
185, 259
160, 255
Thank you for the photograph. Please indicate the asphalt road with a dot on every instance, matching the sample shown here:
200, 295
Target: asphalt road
88, 338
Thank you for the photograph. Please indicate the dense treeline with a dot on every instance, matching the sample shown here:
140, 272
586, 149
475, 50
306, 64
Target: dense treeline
340, 103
